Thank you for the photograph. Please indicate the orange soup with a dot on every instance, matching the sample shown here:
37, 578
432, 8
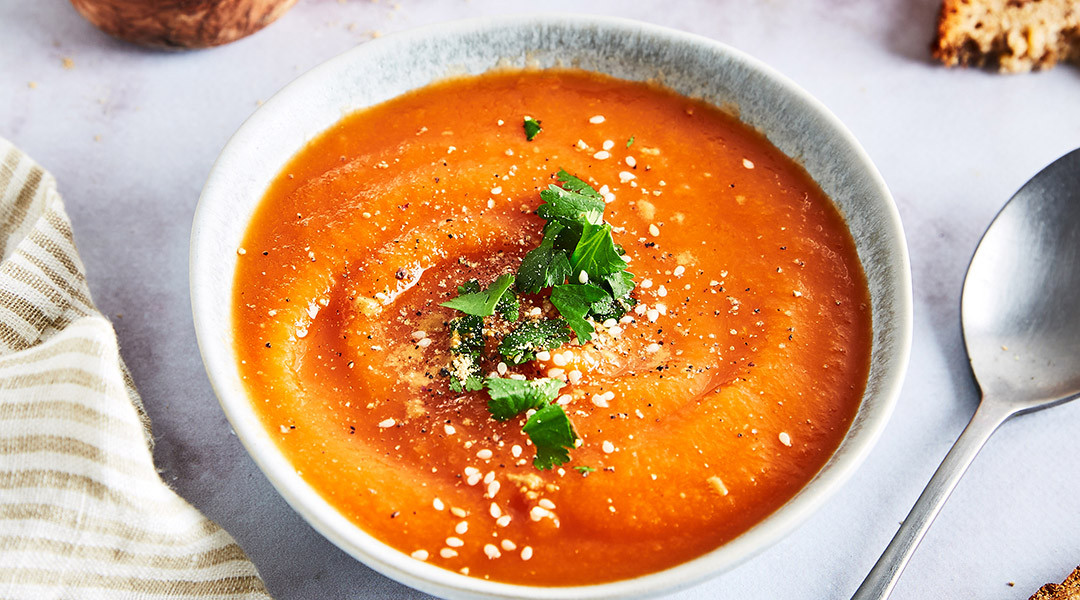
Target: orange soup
717, 383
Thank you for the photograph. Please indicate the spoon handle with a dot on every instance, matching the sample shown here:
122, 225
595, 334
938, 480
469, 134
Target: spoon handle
883, 577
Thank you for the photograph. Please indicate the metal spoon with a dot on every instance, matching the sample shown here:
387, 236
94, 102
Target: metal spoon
1021, 317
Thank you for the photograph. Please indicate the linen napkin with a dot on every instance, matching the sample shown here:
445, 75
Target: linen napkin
83, 513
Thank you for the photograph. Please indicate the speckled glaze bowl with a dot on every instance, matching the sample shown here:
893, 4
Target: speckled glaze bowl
695, 66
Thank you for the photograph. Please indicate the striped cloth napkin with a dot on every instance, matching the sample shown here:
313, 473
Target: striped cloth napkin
83, 514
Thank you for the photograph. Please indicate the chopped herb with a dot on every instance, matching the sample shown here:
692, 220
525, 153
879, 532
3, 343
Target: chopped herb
511, 397
630, 142
553, 435
532, 127
509, 307
584, 470
522, 344
466, 347
620, 284
596, 253
482, 304
576, 201
574, 303
543, 267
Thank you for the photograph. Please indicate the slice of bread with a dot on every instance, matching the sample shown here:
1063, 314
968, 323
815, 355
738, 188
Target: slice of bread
1012, 36
1066, 590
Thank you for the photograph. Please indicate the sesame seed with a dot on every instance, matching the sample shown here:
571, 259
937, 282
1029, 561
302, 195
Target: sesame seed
661, 308
493, 488
625, 176
419, 335
679, 270
241, 251
714, 283
608, 447
526, 553
653, 314
796, 293
458, 512
652, 348
449, 429
473, 479
548, 504
559, 360
420, 555
564, 400
454, 542
503, 521
484, 454
501, 368
661, 291
582, 145
386, 423
447, 553
538, 512
746, 163
495, 191
438, 504
508, 545
646, 284
461, 528
631, 161
515, 450
535, 312
583, 277
608, 144
555, 372
489, 477
609, 323
494, 511
542, 355
785, 439
654, 230
599, 400
574, 376
424, 343
598, 119
491, 551
470, 471
602, 155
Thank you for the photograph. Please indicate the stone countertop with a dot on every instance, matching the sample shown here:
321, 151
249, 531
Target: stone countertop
131, 134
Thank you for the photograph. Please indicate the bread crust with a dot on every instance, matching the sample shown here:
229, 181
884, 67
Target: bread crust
1011, 36
1066, 590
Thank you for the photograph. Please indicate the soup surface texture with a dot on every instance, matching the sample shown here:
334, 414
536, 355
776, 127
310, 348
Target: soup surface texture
703, 409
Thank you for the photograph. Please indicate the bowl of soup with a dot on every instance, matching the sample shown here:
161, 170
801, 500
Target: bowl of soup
552, 306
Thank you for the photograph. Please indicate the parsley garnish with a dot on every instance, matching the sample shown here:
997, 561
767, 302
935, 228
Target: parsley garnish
553, 435
511, 397
630, 142
482, 304
579, 261
532, 127
584, 470
574, 303
522, 344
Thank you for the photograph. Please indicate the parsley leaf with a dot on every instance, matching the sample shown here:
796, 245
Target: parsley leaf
509, 307
630, 142
596, 253
532, 127
574, 301
544, 266
522, 344
466, 346
571, 204
553, 435
620, 284
576, 185
511, 397
483, 303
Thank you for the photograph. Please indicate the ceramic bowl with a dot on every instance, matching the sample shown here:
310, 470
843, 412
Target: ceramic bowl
695, 66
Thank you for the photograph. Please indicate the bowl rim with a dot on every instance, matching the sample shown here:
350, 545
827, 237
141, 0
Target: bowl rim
220, 362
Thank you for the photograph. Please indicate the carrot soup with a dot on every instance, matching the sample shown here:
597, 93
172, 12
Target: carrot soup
551, 327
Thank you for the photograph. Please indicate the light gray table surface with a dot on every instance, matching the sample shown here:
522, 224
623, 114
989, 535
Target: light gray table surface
131, 134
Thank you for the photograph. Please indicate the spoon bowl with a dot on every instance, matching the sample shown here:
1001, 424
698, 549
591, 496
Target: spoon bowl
1019, 305
1022, 333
